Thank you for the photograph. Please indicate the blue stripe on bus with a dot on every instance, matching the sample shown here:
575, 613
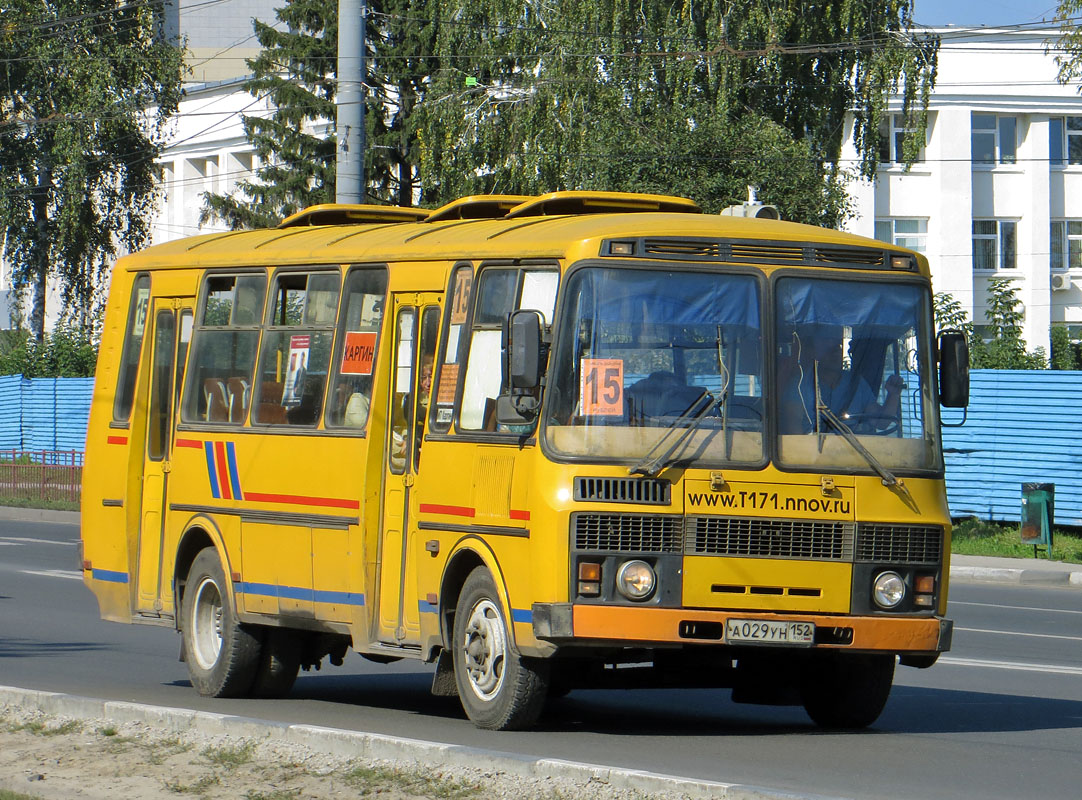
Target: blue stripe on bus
522, 614
212, 473
300, 593
426, 607
234, 477
109, 575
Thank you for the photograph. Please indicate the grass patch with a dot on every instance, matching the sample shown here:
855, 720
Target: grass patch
372, 780
230, 757
6, 794
39, 728
974, 537
35, 502
199, 787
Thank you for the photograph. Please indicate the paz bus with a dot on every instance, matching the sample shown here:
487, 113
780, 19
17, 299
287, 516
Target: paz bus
546, 443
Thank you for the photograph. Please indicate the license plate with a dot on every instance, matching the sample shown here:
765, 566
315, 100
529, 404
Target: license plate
759, 631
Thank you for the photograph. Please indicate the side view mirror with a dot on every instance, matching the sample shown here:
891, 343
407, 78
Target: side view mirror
523, 349
953, 369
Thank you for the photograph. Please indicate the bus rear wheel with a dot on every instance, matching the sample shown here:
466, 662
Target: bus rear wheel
499, 689
222, 655
846, 691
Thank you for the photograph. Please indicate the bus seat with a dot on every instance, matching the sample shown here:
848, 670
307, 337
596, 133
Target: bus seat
661, 394
238, 398
216, 400
270, 414
271, 392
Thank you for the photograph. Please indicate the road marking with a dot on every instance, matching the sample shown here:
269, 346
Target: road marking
1015, 665
27, 540
54, 573
1019, 633
1016, 608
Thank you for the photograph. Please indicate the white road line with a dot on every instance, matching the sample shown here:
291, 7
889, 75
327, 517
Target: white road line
54, 573
1019, 633
27, 540
1016, 608
1015, 665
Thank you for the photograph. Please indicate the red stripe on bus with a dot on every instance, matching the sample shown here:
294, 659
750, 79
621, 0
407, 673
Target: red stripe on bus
223, 473
190, 443
524, 515
454, 511
117, 440
300, 500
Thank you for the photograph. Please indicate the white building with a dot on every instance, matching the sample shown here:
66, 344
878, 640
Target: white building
998, 192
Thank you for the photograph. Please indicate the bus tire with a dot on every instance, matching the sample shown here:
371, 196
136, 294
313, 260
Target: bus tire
279, 663
847, 692
499, 689
222, 655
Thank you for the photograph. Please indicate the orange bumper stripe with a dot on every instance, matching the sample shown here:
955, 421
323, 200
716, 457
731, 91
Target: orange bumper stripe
896, 634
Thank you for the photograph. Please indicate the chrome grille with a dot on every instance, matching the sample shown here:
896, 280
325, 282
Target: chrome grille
767, 252
900, 544
623, 490
849, 255
773, 538
694, 248
627, 533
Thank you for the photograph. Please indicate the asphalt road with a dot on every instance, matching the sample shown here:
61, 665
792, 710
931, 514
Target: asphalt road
1000, 717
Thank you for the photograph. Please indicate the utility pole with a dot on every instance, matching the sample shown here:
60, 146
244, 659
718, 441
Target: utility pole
352, 22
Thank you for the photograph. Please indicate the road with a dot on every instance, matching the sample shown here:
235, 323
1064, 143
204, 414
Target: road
1000, 717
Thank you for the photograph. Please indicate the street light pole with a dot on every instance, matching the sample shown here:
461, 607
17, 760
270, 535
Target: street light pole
349, 181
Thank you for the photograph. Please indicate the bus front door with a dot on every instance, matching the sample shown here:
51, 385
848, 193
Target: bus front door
416, 323
171, 321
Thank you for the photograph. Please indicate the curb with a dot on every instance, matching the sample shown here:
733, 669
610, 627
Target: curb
22, 514
375, 746
1030, 577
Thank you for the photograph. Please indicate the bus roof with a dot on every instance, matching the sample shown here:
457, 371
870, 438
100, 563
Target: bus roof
669, 234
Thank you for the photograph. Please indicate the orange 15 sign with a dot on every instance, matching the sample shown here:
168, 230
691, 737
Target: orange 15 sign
602, 389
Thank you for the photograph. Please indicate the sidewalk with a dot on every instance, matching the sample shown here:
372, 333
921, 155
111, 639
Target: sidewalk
964, 569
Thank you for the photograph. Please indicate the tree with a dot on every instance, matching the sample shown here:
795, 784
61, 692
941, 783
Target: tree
87, 88
691, 98
296, 72
1005, 349
65, 353
1069, 43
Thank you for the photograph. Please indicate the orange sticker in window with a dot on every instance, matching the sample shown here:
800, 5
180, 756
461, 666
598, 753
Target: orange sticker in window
602, 389
358, 353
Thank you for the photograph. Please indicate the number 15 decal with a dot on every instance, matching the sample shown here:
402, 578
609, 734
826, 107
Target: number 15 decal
602, 389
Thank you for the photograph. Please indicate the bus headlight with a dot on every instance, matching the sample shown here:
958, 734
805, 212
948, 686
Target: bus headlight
888, 589
636, 580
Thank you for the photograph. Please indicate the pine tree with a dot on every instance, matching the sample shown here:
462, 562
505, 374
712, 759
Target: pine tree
78, 145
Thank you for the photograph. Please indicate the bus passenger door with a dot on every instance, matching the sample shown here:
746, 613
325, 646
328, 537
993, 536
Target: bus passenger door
171, 321
416, 322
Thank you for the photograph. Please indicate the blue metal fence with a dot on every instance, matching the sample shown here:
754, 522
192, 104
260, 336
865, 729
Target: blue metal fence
44, 413
1023, 426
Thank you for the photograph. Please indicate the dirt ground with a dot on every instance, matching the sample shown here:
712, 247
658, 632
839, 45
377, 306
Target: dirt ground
56, 759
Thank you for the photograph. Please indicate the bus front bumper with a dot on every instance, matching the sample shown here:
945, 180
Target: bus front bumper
568, 623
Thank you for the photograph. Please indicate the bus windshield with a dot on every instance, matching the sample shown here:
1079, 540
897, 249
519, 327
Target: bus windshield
854, 367
650, 361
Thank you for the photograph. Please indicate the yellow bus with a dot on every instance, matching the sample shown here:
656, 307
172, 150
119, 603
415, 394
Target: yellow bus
546, 443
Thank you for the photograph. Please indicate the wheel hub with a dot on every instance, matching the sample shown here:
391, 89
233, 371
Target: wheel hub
485, 649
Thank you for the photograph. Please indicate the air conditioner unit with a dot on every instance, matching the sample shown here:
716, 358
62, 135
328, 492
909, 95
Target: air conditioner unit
1061, 282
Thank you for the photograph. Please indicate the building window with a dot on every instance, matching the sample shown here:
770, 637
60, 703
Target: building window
892, 133
994, 244
911, 233
1066, 244
1064, 141
994, 139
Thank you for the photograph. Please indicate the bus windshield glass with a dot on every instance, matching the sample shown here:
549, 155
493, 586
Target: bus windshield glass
854, 374
658, 362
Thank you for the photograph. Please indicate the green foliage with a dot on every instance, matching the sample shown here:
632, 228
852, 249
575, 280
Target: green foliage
67, 352
1065, 353
1069, 44
949, 313
699, 99
296, 73
1005, 349
78, 177
976, 537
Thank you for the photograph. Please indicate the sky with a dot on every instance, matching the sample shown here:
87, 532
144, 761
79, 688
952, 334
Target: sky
991, 13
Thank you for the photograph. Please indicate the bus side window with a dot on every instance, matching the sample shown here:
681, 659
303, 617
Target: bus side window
358, 343
500, 291
133, 341
296, 350
224, 343
453, 350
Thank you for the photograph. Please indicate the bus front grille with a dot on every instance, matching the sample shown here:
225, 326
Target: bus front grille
627, 533
645, 491
899, 544
769, 538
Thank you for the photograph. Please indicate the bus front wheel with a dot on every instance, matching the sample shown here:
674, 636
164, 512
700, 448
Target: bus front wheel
847, 691
222, 655
499, 689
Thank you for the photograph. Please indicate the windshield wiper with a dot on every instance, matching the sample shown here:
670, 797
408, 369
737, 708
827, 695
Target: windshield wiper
652, 466
889, 478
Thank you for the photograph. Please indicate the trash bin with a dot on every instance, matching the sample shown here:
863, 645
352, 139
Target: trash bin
1038, 500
